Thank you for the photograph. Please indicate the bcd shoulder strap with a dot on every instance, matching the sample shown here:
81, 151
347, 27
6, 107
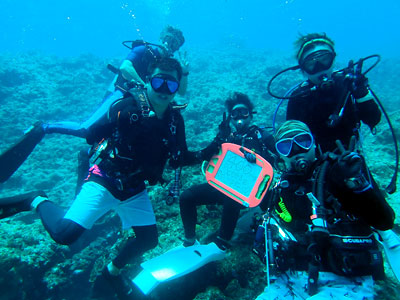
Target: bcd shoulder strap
144, 104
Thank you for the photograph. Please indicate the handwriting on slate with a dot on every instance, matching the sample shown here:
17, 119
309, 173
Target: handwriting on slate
237, 173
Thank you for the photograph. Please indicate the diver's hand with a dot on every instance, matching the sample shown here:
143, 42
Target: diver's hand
349, 164
249, 156
348, 171
359, 86
133, 84
224, 130
182, 58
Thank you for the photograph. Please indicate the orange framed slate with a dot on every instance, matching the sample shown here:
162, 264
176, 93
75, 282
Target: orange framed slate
242, 181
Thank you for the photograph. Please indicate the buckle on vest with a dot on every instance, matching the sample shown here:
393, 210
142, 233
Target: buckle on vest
145, 111
134, 118
144, 105
119, 184
172, 128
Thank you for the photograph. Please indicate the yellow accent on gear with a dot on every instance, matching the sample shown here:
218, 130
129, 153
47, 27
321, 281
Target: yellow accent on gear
285, 214
319, 40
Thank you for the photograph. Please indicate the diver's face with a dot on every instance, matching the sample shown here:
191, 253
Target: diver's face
162, 87
240, 117
317, 63
297, 150
171, 43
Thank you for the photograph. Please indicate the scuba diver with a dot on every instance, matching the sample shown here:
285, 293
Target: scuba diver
330, 103
134, 67
333, 104
318, 229
240, 111
144, 130
133, 72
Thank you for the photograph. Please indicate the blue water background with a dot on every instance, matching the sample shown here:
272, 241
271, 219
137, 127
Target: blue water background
68, 28
38, 87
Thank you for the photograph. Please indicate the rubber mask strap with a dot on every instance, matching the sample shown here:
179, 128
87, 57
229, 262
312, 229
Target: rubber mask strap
319, 40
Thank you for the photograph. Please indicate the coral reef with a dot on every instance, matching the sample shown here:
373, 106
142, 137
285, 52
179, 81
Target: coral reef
37, 87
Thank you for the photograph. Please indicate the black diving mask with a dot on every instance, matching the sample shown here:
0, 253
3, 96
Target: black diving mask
240, 113
317, 61
164, 83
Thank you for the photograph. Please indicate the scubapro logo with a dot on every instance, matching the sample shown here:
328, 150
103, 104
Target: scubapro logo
356, 241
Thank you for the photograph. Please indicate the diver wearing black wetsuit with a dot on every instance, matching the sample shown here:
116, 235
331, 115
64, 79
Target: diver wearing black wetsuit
331, 103
317, 108
143, 131
333, 234
240, 111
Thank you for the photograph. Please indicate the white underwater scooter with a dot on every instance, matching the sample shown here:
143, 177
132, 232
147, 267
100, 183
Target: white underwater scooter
174, 264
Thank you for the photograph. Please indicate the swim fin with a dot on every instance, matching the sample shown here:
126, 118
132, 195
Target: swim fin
391, 245
11, 206
13, 158
174, 264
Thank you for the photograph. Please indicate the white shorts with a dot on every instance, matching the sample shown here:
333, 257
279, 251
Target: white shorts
94, 200
330, 286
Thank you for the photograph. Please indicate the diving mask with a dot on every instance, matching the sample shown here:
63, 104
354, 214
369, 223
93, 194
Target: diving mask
164, 83
303, 139
318, 61
240, 113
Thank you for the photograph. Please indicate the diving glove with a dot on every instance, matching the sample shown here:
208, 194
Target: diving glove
349, 168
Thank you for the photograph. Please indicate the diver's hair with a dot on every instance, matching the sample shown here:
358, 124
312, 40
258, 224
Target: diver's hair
166, 64
238, 98
172, 31
303, 39
290, 128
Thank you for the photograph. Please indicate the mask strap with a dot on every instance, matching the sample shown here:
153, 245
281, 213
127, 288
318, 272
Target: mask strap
319, 40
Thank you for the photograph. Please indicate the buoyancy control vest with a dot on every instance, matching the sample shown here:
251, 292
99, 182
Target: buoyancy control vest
145, 57
345, 246
256, 139
136, 144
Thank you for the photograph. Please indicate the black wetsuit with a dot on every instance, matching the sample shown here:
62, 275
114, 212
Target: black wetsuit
346, 212
255, 139
314, 108
367, 205
139, 147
